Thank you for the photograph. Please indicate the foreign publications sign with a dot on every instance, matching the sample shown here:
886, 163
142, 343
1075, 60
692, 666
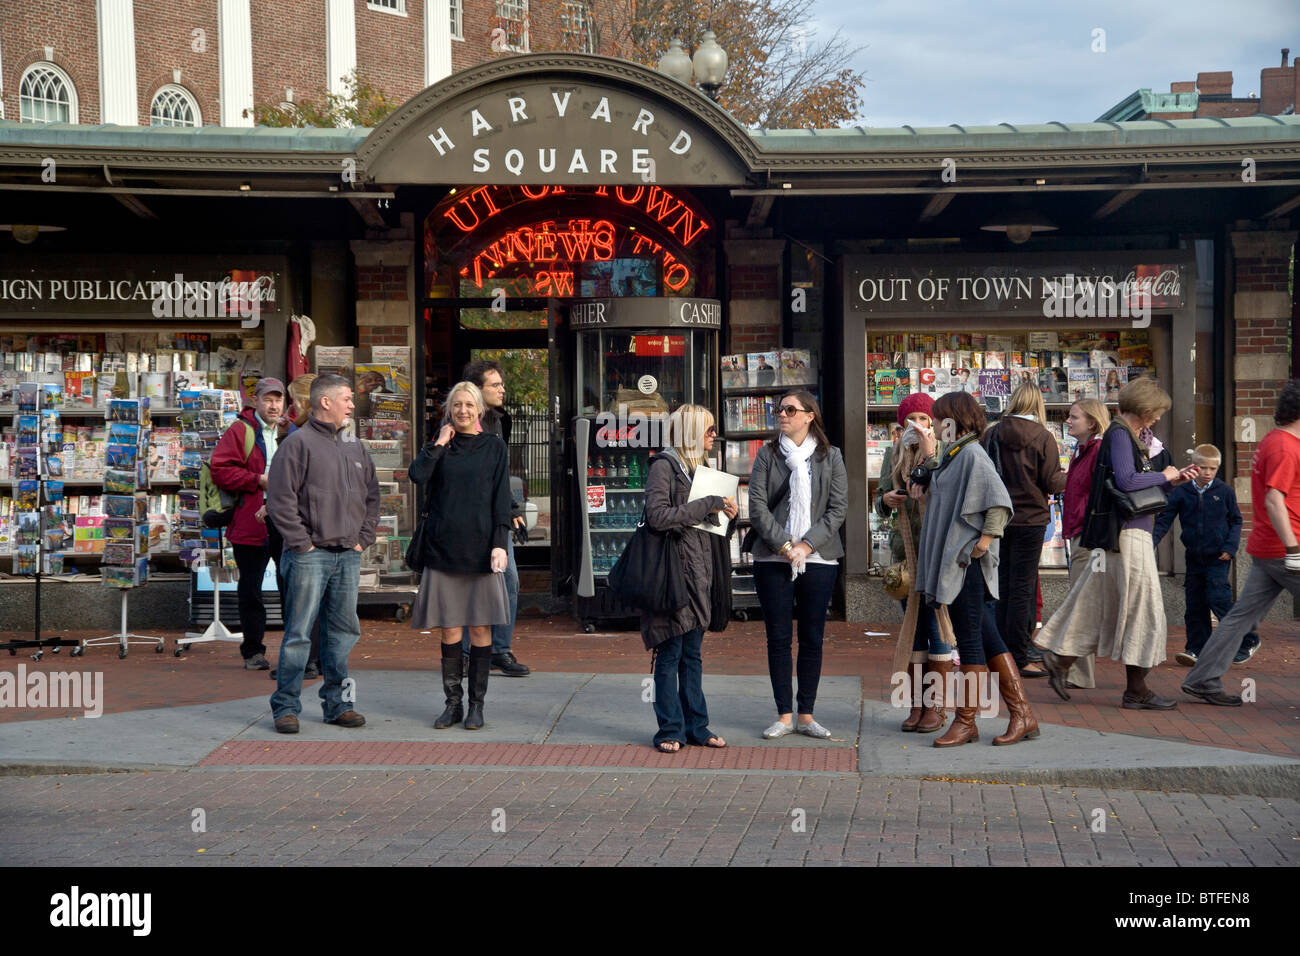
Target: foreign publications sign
898, 287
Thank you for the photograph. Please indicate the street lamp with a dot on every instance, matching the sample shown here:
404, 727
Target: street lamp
709, 65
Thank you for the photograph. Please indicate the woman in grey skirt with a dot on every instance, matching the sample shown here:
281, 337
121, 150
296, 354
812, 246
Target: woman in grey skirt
463, 543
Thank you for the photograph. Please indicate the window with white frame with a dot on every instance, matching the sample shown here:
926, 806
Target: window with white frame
575, 25
46, 95
457, 20
388, 6
513, 18
174, 106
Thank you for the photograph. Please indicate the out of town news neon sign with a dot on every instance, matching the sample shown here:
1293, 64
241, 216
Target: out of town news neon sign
559, 243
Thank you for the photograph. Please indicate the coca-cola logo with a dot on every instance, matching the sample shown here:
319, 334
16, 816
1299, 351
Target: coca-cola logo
1163, 285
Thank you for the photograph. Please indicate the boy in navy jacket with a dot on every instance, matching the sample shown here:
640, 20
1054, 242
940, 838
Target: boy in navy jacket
1211, 533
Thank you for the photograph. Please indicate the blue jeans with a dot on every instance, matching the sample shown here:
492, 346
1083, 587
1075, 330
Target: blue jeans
320, 583
679, 690
927, 630
973, 621
1207, 589
781, 599
502, 634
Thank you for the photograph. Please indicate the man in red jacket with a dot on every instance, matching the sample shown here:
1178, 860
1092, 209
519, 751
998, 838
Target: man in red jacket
250, 533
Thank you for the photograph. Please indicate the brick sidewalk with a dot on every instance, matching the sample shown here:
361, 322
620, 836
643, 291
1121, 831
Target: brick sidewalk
209, 673
574, 818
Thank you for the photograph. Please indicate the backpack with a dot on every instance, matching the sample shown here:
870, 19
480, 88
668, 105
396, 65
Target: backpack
216, 505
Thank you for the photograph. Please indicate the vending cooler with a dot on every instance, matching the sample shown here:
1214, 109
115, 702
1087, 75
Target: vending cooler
638, 359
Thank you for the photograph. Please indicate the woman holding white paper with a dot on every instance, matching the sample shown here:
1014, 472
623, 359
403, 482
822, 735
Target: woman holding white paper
676, 638
798, 499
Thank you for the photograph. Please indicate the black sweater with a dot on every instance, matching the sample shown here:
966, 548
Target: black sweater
468, 501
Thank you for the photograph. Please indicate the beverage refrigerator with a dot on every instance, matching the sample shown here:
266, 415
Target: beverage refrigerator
637, 361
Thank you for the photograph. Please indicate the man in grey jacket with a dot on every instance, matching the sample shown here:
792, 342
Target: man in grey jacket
323, 497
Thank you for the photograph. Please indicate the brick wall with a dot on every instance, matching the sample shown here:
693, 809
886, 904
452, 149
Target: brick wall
753, 295
390, 48
66, 25
1260, 339
164, 42
288, 51
545, 30
381, 282
368, 335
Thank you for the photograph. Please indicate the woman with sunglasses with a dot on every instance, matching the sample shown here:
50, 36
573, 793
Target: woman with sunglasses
798, 498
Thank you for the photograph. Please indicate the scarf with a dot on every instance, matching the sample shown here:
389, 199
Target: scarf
800, 520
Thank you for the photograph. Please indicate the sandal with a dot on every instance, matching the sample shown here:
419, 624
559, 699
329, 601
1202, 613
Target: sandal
720, 745
669, 746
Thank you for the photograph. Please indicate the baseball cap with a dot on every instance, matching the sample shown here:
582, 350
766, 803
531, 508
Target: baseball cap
269, 385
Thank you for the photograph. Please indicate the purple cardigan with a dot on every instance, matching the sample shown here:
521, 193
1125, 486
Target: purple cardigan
1128, 478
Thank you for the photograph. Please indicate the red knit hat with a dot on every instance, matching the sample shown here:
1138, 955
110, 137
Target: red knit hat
916, 402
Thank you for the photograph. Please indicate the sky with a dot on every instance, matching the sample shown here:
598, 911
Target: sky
935, 62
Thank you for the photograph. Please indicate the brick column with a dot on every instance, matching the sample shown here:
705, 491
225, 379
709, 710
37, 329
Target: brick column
1259, 336
385, 310
754, 294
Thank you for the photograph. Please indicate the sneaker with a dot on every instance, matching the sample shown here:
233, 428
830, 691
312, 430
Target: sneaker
1186, 658
508, 666
257, 662
287, 724
349, 718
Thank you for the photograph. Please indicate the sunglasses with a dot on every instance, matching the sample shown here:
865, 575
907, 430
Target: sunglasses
789, 410
711, 430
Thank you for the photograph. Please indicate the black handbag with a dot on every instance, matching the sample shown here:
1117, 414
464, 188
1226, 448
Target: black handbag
1137, 504
648, 574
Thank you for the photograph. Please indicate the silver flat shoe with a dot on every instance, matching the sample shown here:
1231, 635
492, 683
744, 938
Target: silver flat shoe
779, 729
814, 729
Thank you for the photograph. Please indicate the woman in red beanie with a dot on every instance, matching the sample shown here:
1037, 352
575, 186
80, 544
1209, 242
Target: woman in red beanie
930, 654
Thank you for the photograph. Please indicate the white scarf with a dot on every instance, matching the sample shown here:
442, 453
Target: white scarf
796, 459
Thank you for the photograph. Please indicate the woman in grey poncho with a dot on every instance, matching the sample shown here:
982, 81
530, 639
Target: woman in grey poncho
957, 566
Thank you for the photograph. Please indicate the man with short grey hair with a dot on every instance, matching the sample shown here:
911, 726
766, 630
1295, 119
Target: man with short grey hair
323, 497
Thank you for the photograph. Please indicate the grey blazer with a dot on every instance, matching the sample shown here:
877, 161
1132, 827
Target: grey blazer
830, 503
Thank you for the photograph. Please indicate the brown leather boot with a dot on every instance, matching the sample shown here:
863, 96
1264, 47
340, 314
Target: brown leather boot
915, 715
1023, 726
963, 729
936, 716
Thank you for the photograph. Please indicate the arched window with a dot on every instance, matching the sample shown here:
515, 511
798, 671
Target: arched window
174, 106
46, 95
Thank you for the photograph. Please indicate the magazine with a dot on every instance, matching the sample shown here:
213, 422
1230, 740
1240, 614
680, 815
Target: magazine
1083, 383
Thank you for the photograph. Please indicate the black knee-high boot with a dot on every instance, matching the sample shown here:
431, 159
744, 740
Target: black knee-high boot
453, 669
480, 662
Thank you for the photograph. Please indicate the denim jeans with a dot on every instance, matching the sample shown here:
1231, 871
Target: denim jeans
1207, 589
276, 544
679, 690
1018, 557
927, 631
973, 622
782, 600
502, 634
1268, 578
319, 583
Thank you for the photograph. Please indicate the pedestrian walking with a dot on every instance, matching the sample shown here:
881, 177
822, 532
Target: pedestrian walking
324, 499
240, 464
489, 378
1029, 463
1274, 547
676, 638
463, 539
1116, 608
798, 499
930, 653
1086, 422
967, 508
1206, 508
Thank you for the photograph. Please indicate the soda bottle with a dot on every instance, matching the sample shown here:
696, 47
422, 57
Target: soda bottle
634, 472
600, 470
621, 471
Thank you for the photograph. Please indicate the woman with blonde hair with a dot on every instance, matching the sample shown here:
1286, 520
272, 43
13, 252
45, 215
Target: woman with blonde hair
675, 639
463, 548
1029, 462
1120, 607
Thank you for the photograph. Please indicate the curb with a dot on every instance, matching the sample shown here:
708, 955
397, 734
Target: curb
1277, 780
32, 768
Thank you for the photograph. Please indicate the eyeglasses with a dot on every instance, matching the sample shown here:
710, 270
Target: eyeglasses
711, 430
788, 410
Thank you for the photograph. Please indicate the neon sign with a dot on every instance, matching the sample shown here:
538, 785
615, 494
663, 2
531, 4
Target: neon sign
554, 242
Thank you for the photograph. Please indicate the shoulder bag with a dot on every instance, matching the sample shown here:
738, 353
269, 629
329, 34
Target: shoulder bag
648, 574
1144, 501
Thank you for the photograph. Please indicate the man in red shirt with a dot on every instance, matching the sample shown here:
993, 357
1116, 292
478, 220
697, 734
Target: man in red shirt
1274, 544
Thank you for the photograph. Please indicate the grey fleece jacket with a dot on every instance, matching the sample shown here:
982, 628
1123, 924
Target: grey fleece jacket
322, 490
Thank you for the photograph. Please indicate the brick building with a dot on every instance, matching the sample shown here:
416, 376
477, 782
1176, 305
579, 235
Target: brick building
1210, 94
207, 62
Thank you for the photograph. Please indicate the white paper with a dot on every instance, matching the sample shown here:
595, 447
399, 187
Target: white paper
710, 481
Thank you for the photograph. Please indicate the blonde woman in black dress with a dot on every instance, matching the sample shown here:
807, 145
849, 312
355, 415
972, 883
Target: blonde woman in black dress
466, 479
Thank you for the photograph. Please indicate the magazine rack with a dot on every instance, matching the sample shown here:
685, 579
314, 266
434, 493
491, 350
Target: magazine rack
124, 638
216, 631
